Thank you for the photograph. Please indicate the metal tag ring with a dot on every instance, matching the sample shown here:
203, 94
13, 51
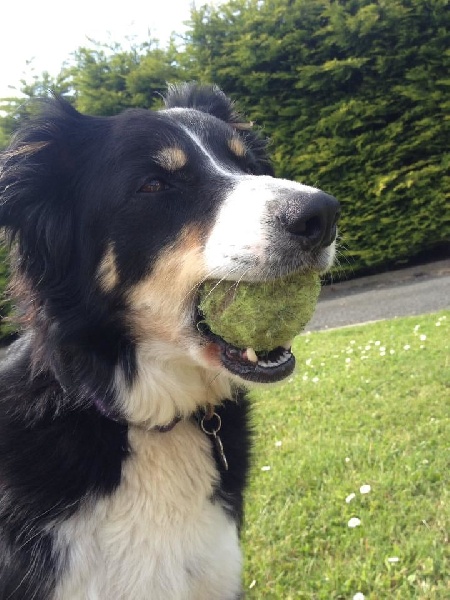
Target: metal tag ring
209, 420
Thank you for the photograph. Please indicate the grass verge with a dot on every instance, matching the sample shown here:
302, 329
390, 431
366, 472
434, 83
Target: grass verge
368, 406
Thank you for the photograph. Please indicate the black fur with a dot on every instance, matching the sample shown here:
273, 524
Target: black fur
68, 185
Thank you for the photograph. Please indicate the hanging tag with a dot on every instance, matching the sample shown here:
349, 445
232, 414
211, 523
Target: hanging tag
219, 447
213, 433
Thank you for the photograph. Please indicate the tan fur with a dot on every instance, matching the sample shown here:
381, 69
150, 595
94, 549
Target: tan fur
107, 274
172, 159
157, 302
237, 146
176, 373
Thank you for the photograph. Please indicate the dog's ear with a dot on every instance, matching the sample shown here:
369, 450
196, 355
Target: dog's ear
36, 164
206, 98
36, 177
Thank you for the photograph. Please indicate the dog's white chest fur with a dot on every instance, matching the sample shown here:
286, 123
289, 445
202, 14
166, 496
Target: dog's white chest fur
159, 536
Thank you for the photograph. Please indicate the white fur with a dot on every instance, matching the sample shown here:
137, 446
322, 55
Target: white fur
240, 240
173, 380
159, 536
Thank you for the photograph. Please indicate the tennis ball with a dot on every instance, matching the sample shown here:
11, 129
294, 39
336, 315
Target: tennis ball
260, 315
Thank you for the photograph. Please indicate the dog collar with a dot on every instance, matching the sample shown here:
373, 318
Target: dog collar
106, 412
210, 423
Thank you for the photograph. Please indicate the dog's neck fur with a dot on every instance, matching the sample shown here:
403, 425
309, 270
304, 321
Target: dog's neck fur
168, 388
173, 385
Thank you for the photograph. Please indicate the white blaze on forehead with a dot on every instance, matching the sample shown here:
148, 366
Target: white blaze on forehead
241, 235
213, 163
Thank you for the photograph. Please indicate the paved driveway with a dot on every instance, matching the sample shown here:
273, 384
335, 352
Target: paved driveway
411, 291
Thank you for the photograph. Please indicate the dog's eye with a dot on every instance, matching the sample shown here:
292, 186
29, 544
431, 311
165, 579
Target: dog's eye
154, 186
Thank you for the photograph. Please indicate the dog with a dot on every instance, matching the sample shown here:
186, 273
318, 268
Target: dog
124, 426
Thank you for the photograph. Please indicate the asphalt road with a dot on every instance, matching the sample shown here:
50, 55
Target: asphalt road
412, 291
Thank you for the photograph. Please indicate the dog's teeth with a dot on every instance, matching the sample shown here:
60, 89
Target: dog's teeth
250, 355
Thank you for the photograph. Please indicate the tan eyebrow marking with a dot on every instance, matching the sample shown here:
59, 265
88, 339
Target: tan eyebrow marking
242, 126
237, 146
171, 158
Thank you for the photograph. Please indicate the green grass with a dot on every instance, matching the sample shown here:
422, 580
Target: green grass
368, 405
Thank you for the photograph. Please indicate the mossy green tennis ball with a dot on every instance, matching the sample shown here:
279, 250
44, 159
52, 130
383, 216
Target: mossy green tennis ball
259, 315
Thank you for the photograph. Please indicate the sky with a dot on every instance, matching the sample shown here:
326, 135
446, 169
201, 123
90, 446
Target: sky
48, 31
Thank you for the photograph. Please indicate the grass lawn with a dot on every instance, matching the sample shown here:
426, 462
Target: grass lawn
368, 406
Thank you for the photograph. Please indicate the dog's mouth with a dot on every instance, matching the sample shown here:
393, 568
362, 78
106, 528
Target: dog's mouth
260, 367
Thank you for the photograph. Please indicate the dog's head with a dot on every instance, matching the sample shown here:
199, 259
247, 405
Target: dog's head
118, 220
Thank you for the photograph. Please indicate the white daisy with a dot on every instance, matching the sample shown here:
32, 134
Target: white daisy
354, 522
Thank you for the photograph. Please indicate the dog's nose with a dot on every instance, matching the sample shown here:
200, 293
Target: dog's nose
312, 218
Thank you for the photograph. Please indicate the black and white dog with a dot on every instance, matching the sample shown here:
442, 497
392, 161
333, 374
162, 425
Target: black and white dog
113, 482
